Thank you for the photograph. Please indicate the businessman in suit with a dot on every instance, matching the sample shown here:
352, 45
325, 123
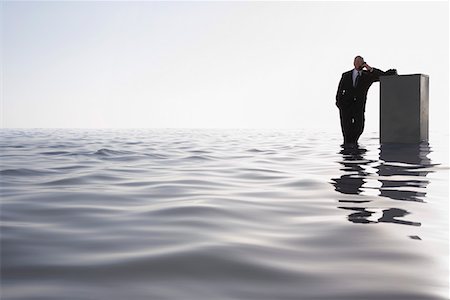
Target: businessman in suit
351, 98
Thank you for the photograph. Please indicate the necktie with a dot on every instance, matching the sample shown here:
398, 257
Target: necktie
357, 78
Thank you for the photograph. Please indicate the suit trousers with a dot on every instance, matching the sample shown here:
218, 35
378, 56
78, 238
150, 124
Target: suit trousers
352, 121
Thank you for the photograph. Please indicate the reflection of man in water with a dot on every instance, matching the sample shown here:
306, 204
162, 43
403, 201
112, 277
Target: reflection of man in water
351, 98
352, 181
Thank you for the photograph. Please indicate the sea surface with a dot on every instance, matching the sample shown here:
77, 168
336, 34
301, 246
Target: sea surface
221, 214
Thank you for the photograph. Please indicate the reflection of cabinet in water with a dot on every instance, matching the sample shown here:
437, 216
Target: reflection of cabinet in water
404, 108
403, 171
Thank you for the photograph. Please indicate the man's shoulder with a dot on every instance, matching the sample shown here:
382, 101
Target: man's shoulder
347, 73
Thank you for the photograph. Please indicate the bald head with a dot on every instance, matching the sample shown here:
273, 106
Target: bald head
358, 63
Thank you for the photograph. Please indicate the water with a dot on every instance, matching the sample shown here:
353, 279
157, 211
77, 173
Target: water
221, 214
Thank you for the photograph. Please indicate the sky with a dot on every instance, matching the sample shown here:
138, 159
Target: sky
210, 64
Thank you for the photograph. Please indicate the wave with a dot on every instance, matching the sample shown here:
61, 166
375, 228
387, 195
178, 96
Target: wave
55, 153
192, 214
19, 172
110, 152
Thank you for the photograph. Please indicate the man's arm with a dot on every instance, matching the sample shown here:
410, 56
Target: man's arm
339, 91
374, 72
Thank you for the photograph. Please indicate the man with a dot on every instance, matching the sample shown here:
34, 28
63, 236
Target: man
351, 98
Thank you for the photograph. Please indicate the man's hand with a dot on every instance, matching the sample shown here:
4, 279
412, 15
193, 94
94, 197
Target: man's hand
368, 68
391, 72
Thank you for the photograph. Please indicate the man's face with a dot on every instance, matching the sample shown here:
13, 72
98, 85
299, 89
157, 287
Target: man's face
358, 63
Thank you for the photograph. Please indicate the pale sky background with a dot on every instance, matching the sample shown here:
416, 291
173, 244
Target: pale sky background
210, 64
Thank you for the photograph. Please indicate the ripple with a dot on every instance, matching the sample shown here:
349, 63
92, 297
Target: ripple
24, 172
55, 153
110, 152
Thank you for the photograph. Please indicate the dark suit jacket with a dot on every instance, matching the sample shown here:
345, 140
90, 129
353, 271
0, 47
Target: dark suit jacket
348, 95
